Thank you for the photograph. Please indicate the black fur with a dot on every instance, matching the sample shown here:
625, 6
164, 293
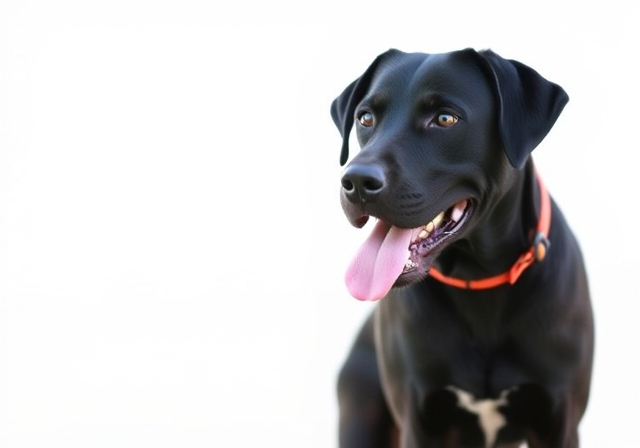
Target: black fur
532, 340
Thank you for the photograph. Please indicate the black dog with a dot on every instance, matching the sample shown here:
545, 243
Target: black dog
485, 334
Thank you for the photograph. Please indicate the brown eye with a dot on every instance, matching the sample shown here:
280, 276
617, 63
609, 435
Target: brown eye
366, 119
447, 120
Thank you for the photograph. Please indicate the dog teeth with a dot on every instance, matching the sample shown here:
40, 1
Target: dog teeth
431, 226
417, 243
458, 210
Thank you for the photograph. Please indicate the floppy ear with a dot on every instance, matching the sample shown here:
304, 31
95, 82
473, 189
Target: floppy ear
529, 105
343, 107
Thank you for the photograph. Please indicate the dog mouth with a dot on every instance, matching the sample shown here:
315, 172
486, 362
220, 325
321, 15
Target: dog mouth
426, 238
393, 256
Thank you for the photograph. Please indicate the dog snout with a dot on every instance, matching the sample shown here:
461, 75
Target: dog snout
363, 183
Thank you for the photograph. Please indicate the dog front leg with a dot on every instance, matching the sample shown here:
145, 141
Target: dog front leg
564, 434
365, 419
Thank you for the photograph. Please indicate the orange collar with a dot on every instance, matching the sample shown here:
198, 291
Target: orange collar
536, 252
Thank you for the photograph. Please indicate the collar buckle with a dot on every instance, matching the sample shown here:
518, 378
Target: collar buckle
540, 246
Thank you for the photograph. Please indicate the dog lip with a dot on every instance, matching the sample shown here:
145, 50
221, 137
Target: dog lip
358, 217
358, 220
361, 221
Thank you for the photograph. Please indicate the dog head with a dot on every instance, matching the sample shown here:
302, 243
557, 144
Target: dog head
440, 134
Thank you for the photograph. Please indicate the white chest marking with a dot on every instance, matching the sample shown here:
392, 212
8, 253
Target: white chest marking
490, 418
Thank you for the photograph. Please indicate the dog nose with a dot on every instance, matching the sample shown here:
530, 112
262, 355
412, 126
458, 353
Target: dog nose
363, 182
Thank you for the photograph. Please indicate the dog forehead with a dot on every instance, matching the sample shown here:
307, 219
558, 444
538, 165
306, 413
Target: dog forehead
418, 75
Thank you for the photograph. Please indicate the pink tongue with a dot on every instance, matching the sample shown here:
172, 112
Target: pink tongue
379, 262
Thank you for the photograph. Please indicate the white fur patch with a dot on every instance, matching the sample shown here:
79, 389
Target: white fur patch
490, 418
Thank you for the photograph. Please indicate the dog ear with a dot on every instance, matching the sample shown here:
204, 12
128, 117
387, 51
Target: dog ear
343, 107
529, 105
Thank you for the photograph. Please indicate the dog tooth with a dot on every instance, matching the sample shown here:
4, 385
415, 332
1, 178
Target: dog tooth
438, 219
429, 227
424, 233
458, 210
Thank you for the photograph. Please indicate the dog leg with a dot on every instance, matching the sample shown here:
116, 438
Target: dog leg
567, 440
365, 419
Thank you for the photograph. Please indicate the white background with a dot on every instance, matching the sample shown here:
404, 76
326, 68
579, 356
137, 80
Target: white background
171, 244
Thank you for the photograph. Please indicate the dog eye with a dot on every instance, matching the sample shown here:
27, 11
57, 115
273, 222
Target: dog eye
446, 120
366, 119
